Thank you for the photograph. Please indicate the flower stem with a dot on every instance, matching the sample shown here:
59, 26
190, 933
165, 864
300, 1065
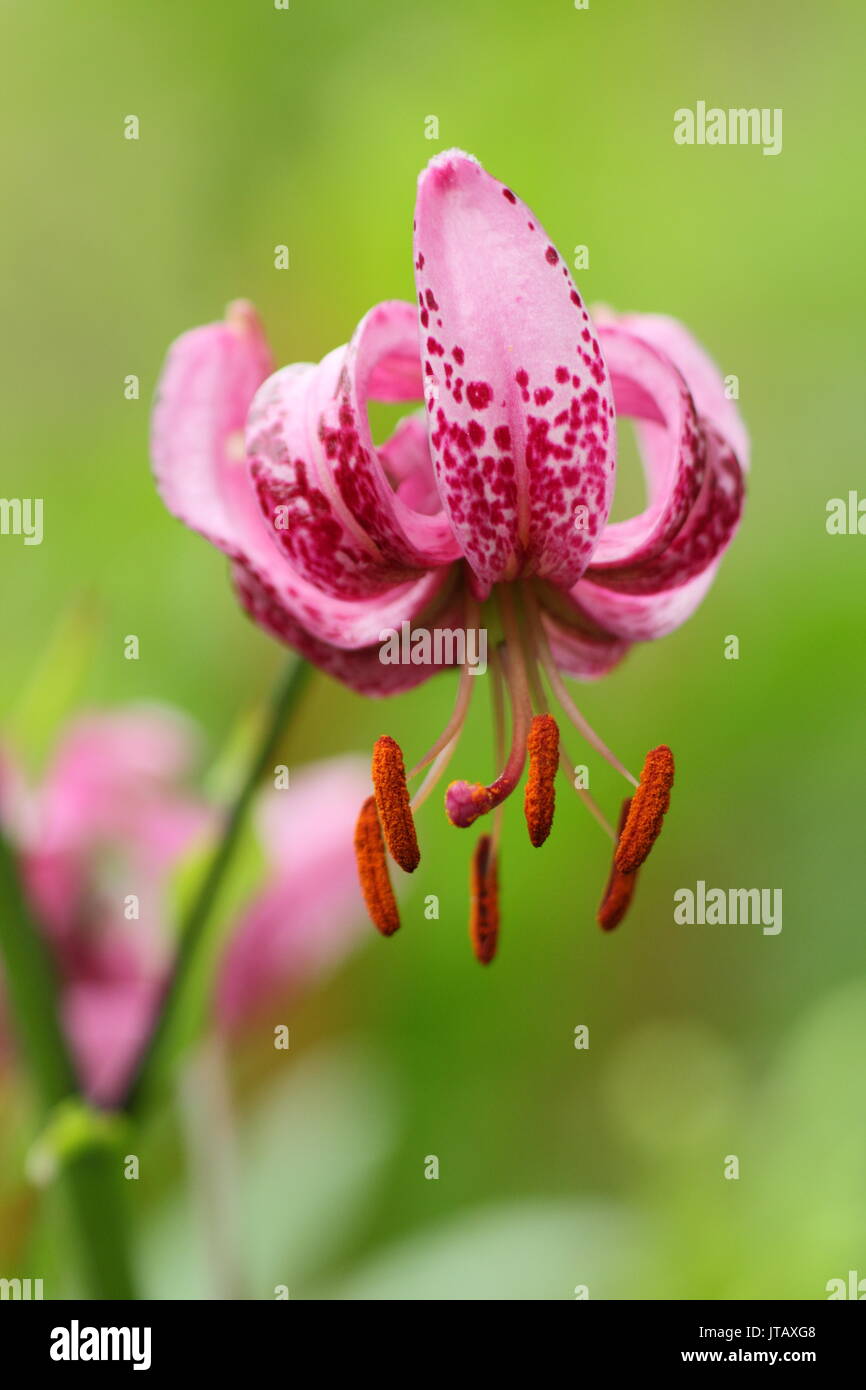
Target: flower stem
91, 1179
163, 1040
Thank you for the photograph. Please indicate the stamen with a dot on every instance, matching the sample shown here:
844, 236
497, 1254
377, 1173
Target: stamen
647, 811
560, 690
484, 913
373, 870
440, 762
543, 748
620, 887
465, 688
392, 802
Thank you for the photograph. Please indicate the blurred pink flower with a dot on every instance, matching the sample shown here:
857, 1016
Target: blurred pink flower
99, 841
503, 491
306, 915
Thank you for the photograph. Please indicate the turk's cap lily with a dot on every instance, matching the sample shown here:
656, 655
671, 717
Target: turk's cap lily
499, 495
112, 819
514, 471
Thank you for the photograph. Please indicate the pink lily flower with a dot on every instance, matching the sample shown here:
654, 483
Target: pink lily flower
99, 841
490, 509
304, 918
99, 838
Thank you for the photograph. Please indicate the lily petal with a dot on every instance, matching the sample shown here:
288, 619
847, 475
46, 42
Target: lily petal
518, 397
197, 439
361, 667
698, 369
701, 540
321, 485
205, 393
644, 617
648, 388
580, 646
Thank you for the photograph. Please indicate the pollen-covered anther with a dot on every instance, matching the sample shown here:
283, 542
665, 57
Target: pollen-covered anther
392, 801
373, 870
620, 886
484, 912
647, 811
538, 803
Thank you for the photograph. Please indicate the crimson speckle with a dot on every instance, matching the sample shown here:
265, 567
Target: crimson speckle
476, 433
507, 193
551, 255
458, 355
478, 394
431, 300
562, 375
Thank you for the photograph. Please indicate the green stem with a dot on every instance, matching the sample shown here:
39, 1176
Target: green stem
92, 1178
162, 1042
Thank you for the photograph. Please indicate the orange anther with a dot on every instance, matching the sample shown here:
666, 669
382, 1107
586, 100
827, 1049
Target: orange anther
543, 748
373, 870
484, 914
392, 801
647, 811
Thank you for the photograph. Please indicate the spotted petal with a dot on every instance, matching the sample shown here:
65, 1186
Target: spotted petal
358, 665
516, 388
648, 388
320, 481
644, 617
204, 396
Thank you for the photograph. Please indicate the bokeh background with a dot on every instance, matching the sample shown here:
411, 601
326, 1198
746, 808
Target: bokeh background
558, 1167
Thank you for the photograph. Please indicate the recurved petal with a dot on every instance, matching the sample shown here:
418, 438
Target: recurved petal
326, 498
517, 392
648, 388
700, 541
700, 373
643, 617
406, 459
358, 664
197, 437
581, 646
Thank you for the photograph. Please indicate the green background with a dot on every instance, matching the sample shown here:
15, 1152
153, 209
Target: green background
558, 1167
